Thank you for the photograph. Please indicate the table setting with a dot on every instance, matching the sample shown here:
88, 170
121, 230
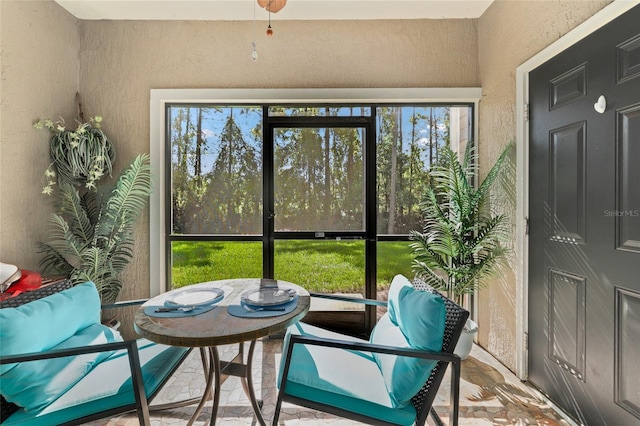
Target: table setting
266, 300
187, 302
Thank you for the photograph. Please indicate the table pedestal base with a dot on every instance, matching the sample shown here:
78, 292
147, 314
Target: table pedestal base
217, 372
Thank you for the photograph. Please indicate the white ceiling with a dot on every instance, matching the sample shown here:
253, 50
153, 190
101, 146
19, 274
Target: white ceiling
240, 10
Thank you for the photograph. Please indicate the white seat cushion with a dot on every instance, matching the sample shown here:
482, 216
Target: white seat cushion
350, 380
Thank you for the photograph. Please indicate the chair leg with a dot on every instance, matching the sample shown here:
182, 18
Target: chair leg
436, 417
142, 406
455, 392
276, 414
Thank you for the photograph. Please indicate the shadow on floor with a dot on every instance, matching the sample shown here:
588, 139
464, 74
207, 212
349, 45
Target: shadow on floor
490, 394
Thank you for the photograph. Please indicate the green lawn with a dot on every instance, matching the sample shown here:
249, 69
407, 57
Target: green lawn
326, 266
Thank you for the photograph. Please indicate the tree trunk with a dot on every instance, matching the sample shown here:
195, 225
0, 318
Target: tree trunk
327, 176
199, 143
394, 167
412, 151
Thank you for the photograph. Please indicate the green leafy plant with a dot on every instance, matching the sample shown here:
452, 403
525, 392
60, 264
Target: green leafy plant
80, 156
92, 229
462, 240
91, 237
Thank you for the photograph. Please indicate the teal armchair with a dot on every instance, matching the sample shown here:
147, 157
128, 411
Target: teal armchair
59, 365
390, 379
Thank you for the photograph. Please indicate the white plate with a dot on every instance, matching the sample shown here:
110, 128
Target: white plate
7, 272
8, 275
195, 296
267, 296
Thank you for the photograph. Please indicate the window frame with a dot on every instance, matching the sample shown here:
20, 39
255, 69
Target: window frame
160, 99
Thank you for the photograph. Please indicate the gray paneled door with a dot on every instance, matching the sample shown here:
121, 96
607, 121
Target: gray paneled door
584, 281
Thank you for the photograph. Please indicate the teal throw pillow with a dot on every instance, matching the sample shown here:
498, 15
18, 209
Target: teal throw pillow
42, 324
421, 320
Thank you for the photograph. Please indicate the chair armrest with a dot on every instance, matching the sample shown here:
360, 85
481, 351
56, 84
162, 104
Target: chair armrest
129, 345
361, 301
371, 347
123, 304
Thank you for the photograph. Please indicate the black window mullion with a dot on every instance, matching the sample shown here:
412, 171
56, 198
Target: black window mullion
371, 218
214, 237
318, 121
168, 205
268, 214
320, 235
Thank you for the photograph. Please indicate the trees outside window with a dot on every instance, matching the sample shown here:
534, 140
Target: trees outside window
318, 179
216, 170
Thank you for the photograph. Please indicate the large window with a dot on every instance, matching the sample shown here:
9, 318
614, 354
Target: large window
408, 140
216, 166
321, 194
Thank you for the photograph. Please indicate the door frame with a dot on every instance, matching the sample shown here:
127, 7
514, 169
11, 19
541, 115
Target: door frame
598, 20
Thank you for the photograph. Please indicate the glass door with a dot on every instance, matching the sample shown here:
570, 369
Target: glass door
318, 216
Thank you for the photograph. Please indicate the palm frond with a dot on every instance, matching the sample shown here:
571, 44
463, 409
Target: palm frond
91, 202
428, 275
109, 293
64, 242
489, 266
121, 259
52, 262
490, 232
71, 206
470, 160
425, 255
97, 268
493, 174
94, 263
130, 195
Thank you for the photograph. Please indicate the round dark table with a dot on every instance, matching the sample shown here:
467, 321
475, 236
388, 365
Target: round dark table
217, 327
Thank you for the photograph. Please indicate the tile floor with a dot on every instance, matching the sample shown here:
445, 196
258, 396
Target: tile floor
490, 395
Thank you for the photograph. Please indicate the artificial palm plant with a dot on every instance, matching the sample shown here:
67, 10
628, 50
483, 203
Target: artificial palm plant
91, 236
462, 240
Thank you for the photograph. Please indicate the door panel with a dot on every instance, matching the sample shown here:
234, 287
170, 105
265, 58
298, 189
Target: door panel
628, 351
568, 186
628, 177
584, 292
566, 321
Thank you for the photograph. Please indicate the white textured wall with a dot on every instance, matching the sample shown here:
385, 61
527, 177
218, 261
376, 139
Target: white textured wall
509, 33
121, 61
39, 43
